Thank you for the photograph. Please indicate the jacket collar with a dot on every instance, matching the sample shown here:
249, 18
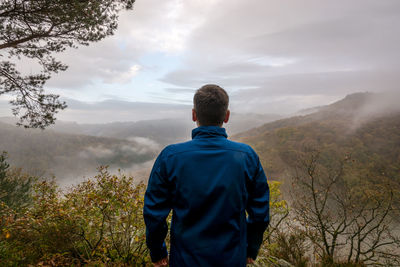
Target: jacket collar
208, 131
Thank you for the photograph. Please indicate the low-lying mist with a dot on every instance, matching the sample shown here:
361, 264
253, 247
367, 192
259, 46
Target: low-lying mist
71, 152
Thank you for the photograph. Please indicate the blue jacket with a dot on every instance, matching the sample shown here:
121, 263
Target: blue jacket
209, 183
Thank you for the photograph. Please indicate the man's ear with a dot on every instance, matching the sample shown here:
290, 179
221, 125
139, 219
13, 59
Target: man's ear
194, 115
228, 113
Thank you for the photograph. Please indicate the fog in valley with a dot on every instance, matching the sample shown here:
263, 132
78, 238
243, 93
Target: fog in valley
131, 147
128, 146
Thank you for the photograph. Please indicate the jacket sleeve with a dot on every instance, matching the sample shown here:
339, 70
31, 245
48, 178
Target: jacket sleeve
257, 209
156, 209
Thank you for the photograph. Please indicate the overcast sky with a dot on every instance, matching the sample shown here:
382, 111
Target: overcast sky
271, 56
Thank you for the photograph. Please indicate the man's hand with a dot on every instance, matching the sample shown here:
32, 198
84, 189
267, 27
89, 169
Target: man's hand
161, 263
250, 261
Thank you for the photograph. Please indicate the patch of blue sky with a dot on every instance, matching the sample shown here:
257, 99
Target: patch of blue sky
141, 83
145, 86
148, 84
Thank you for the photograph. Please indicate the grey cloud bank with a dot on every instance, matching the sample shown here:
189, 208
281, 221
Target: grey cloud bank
271, 56
272, 51
117, 110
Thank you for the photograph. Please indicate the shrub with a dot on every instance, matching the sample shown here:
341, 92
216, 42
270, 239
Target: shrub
96, 222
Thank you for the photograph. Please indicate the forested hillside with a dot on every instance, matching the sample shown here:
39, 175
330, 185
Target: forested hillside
360, 127
69, 156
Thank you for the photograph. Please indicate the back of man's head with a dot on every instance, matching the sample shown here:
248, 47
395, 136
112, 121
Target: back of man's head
211, 104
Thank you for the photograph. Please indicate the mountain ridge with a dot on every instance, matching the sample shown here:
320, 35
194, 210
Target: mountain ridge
357, 126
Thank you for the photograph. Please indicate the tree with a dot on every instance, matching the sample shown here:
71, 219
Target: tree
38, 29
15, 187
345, 223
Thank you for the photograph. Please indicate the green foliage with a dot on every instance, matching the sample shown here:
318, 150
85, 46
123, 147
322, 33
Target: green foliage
279, 211
97, 222
108, 211
275, 245
3, 165
15, 186
37, 29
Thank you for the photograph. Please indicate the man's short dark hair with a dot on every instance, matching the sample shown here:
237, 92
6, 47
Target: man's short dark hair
210, 103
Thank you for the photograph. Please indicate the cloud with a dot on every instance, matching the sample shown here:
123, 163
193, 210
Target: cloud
263, 51
122, 77
147, 145
119, 110
151, 27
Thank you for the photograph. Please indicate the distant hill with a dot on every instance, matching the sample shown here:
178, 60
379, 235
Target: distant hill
70, 156
162, 132
70, 150
363, 125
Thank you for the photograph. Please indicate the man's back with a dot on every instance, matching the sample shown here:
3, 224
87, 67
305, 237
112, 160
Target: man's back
209, 183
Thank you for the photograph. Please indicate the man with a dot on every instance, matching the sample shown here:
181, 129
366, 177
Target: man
209, 183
